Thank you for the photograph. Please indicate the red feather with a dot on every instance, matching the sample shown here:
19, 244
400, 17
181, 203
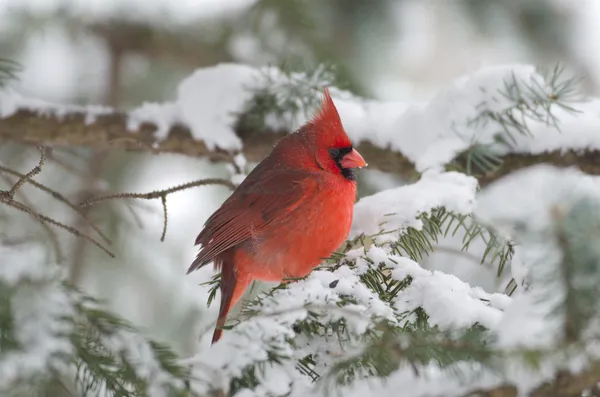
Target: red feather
294, 209
261, 202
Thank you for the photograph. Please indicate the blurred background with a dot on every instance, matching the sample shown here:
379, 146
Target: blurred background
122, 53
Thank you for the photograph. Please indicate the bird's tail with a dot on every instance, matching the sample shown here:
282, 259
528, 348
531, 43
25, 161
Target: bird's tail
233, 285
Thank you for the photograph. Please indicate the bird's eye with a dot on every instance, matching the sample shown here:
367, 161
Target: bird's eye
334, 153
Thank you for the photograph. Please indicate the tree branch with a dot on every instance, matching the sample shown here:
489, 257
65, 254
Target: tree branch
110, 131
162, 195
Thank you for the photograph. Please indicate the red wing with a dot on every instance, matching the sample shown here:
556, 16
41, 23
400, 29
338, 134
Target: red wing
253, 206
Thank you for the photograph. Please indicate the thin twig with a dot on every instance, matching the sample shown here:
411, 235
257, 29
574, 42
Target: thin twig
45, 226
162, 195
68, 167
7, 197
56, 195
27, 177
163, 200
22, 207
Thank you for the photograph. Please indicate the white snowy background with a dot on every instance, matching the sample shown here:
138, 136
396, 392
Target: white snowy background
427, 78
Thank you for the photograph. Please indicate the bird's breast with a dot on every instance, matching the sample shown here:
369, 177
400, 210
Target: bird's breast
293, 246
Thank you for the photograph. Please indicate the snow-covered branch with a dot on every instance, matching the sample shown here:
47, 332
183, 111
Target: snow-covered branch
491, 123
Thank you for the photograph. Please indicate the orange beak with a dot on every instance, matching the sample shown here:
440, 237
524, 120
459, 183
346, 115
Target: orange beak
353, 160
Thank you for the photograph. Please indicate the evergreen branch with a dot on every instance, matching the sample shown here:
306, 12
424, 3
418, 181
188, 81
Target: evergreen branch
215, 284
283, 96
163, 202
109, 132
103, 365
415, 345
530, 103
27, 177
318, 324
417, 243
79, 173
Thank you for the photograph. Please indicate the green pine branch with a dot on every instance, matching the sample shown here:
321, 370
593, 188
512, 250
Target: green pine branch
282, 95
101, 367
414, 345
412, 243
416, 244
531, 103
105, 350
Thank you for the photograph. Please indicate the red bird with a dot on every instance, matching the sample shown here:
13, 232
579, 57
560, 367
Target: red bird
294, 209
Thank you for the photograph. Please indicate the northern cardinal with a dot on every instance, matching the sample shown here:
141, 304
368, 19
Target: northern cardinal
293, 210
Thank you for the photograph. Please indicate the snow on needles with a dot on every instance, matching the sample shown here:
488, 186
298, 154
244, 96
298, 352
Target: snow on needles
397, 209
331, 295
429, 134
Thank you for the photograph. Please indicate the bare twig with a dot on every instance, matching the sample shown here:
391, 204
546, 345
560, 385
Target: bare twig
50, 155
162, 195
45, 226
7, 197
22, 207
56, 195
163, 201
68, 167
27, 177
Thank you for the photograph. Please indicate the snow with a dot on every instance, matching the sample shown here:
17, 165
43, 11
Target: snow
210, 99
445, 124
11, 102
541, 196
162, 115
429, 134
537, 190
39, 310
526, 321
398, 208
449, 302
140, 355
43, 315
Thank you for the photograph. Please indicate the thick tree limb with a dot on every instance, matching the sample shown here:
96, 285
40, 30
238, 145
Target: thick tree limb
110, 131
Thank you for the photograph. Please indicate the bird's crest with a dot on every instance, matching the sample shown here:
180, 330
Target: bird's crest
327, 122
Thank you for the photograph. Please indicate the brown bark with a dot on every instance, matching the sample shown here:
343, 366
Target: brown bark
110, 132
